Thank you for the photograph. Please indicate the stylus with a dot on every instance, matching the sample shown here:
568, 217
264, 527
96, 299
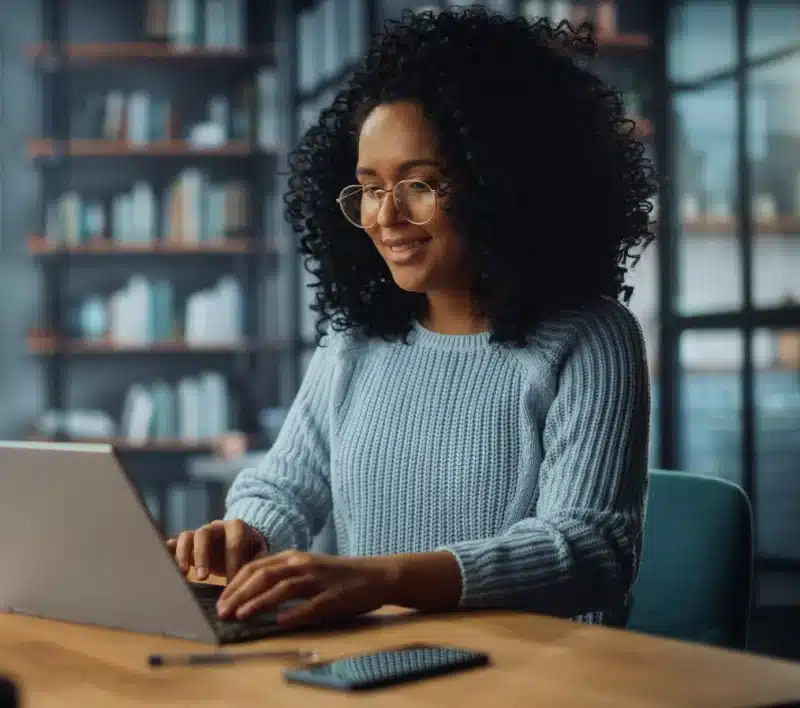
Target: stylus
225, 658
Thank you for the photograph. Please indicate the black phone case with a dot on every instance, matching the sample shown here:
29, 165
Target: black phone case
306, 677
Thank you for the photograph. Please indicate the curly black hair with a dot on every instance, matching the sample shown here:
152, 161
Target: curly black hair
553, 187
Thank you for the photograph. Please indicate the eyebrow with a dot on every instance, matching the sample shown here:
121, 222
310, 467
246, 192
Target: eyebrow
403, 166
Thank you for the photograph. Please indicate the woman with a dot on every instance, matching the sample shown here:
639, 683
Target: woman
477, 415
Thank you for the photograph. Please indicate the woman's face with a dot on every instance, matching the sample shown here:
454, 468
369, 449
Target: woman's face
397, 143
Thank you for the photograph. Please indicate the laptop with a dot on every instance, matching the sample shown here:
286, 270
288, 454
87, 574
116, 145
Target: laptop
77, 544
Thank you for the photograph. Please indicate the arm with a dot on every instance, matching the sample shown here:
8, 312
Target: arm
287, 496
578, 552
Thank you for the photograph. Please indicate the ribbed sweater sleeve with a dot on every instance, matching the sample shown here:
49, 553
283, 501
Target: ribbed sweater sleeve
577, 552
287, 497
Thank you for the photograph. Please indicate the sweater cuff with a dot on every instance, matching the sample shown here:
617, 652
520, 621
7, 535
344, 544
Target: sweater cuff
520, 571
269, 520
467, 556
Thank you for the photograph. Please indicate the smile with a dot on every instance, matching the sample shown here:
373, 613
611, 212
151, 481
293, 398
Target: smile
407, 251
410, 246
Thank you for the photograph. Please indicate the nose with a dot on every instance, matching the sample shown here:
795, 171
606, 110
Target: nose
388, 214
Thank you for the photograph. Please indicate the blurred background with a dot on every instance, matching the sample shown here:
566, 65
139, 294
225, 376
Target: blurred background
150, 293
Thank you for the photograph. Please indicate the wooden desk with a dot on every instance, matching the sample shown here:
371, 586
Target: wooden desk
537, 661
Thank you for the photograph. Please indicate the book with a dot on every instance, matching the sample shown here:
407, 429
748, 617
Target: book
137, 415
189, 410
269, 109
157, 20
305, 50
215, 31
182, 24
164, 419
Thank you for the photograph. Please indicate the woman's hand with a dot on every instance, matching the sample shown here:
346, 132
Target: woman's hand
218, 548
333, 586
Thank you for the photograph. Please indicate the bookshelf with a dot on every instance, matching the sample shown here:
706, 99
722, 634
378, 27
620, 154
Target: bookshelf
623, 41
38, 245
786, 225
43, 342
160, 227
47, 343
166, 445
48, 54
47, 147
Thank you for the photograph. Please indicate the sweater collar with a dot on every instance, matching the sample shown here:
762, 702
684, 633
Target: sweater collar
450, 342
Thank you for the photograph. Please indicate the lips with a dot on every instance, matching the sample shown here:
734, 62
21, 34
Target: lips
401, 246
405, 251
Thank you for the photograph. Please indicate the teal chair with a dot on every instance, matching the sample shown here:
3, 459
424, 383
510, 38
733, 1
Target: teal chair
696, 572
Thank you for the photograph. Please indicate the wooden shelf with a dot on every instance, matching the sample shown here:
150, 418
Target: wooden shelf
725, 370
147, 51
47, 147
125, 445
711, 225
623, 41
38, 246
44, 343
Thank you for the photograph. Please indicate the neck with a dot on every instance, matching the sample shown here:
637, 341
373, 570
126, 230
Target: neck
451, 312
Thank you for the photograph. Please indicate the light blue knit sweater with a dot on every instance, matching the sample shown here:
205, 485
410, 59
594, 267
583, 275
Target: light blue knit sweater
529, 465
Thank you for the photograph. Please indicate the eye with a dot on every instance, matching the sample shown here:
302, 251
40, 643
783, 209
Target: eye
419, 186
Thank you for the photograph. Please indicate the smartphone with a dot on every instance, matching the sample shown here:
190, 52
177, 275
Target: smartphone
386, 668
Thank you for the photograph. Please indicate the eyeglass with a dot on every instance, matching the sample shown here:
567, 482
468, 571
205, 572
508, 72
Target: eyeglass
415, 200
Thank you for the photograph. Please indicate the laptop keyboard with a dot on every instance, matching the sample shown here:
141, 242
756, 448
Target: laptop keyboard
255, 627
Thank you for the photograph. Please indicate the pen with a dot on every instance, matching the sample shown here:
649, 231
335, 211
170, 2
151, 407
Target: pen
224, 658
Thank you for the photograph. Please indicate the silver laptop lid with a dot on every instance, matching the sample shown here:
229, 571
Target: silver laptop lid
77, 544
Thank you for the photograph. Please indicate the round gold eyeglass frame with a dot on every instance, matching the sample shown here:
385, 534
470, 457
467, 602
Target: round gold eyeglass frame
353, 189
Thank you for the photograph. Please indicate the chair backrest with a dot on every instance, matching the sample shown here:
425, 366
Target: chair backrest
696, 573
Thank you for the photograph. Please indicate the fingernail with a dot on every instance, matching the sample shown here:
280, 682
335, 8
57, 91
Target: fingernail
201, 572
222, 608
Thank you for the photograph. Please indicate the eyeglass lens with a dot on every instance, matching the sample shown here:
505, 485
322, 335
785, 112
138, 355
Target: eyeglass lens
415, 200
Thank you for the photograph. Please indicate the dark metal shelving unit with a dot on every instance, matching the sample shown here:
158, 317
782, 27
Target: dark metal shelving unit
56, 60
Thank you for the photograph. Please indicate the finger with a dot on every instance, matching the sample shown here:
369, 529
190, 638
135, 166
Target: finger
204, 538
295, 588
172, 544
242, 577
318, 607
183, 550
234, 548
257, 577
246, 571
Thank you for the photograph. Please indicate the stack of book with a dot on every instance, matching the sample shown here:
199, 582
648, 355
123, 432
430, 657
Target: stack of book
192, 410
138, 118
193, 24
190, 210
143, 313
141, 118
